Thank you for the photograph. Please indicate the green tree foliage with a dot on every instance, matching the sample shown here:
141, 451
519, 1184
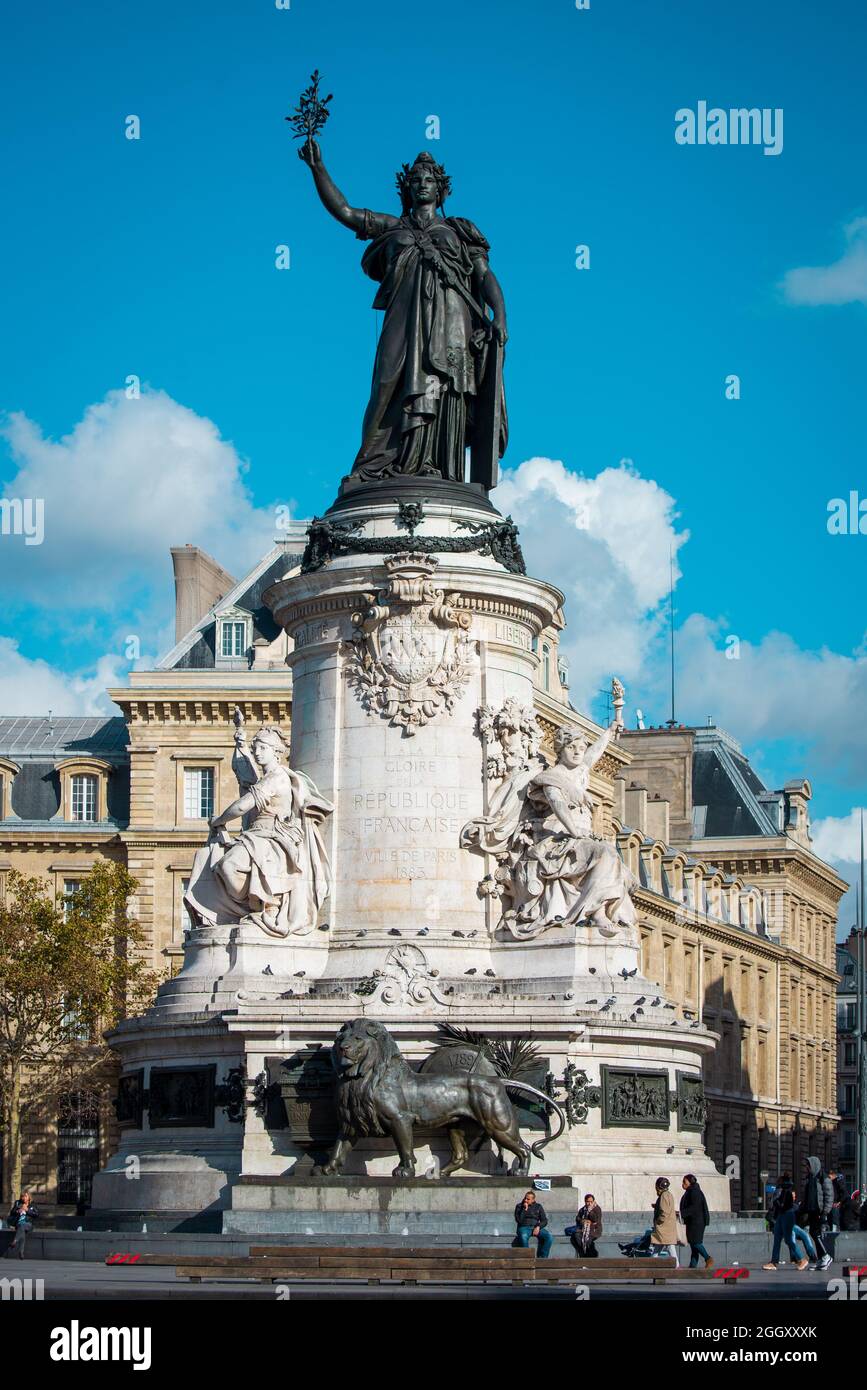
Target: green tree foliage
68, 971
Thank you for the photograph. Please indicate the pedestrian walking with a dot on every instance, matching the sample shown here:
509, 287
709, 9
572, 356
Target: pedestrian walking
696, 1218
817, 1199
664, 1232
783, 1214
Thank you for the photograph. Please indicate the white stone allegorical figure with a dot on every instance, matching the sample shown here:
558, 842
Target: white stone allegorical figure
551, 868
276, 874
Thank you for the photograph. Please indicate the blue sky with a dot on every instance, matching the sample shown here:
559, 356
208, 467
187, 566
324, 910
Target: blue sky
156, 257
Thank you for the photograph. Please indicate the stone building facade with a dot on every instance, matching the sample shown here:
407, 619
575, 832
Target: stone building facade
765, 976
847, 1053
737, 915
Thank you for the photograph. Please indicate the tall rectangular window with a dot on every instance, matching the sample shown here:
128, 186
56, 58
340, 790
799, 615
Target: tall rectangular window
232, 639
84, 796
198, 793
70, 888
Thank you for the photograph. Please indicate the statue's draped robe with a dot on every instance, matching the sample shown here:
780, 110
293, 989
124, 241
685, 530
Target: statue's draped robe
555, 876
281, 852
428, 370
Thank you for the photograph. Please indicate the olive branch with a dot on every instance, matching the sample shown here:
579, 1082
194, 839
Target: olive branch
311, 113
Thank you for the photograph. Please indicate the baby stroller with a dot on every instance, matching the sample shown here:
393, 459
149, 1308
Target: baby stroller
640, 1248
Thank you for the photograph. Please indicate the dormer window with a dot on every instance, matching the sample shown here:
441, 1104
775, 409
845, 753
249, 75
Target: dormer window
8, 773
84, 789
233, 638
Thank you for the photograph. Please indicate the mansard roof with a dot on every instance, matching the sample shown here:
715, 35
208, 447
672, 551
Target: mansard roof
196, 651
52, 737
39, 744
727, 793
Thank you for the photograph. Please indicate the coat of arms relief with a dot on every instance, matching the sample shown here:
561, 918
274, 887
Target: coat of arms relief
410, 655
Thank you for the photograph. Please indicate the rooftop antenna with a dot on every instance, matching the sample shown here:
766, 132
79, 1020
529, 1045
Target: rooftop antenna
672, 722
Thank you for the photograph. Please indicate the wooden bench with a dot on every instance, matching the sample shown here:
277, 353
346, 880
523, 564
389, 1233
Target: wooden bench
424, 1264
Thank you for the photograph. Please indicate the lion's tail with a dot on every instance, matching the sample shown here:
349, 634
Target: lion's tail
549, 1100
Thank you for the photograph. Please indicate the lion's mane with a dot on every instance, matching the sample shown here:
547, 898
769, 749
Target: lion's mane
355, 1095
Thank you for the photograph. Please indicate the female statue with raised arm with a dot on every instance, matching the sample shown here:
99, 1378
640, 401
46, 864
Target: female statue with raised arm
551, 866
275, 875
438, 346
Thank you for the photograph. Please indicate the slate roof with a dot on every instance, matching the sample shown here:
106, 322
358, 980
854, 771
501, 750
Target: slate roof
62, 736
197, 650
728, 796
38, 743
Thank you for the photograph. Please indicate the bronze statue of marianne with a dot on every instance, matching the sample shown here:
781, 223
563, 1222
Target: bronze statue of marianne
438, 375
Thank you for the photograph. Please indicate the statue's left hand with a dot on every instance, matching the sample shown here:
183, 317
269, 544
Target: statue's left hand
499, 332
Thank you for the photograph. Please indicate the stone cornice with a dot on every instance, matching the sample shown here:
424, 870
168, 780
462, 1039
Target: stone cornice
778, 854
191, 709
664, 909
49, 836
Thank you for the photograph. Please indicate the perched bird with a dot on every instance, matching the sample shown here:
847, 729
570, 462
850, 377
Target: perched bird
627, 974
470, 972
457, 933
642, 1000
592, 970
394, 932
299, 974
639, 1011
491, 973
632, 1018
657, 1000
669, 1006
592, 1001
361, 933
568, 996
424, 931
267, 970
326, 926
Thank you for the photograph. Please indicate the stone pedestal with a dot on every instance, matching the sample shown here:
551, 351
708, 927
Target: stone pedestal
407, 628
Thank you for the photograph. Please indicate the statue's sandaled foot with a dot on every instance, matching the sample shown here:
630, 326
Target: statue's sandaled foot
404, 1170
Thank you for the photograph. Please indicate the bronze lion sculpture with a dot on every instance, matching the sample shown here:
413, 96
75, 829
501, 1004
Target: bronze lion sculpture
378, 1093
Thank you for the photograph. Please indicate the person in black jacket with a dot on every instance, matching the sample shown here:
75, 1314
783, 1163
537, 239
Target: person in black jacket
817, 1199
531, 1220
695, 1217
21, 1219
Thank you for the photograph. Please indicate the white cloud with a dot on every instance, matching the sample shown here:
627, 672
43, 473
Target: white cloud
776, 691
838, 838
31, 686
131, 479
842, 282
605, 541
